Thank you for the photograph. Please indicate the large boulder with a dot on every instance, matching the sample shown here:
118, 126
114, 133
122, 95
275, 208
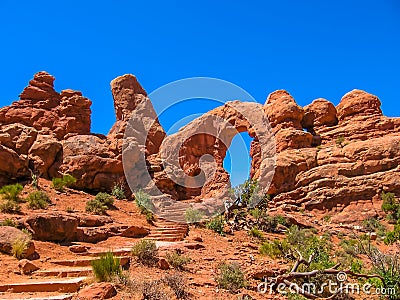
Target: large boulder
44, 153
55, 227
18, 137
320, 112
98, 291
12, 165
358, 103
283, 111
10, 235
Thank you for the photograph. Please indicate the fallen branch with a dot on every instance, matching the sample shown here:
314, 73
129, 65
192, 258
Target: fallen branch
288, 278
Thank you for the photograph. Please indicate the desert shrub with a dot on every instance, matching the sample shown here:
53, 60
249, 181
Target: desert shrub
96, 207
217, 224
292, 296
306, 242
149, 216
38, 200
391, 206
254, 232
373, 225
60, 183
118, 191
387, 265
193, 215
177, 283
8, 222
340, 141
11, 192
177, 260
106, 267
393, 236
146, 252
247, 194
105, 199
356, 266
69, 209
327, 218
100, 204
257, 213
143, 201
146, 206
19, 246
35, 180
153, 290
27, 232
10, 206
269, 223
230, 277
274, 249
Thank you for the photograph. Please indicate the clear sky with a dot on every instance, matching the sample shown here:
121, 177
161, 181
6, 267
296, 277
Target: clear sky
310, 48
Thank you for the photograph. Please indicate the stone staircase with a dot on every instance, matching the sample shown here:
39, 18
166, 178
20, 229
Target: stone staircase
168, 231
61, 281
64, 277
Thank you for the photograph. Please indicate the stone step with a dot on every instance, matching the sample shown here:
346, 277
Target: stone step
166, 239
32, 286
85, 262
65, 272
38, 297
117, 252
171, 230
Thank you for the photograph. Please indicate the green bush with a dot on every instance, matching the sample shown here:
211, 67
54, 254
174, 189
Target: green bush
304, 241
254, 232
11, 192
275, 248
193, 215
145, 205
8, 222
146, 252
19, 246
387, 265
10, 206
106, 267
96, 207
340, 141
118, 192
373, 225
230, 277
143, 201
38, 200
270, 223
60, 183
393, 236
247, 194
177, 260
217, 224
391, 206
105, 199
100, 204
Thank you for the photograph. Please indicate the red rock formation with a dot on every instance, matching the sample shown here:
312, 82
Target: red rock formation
327, 157
42, 108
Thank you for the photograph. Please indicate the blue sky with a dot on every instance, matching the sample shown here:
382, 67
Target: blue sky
310, 48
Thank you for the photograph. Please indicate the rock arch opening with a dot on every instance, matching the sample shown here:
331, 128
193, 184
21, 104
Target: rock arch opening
237, 161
